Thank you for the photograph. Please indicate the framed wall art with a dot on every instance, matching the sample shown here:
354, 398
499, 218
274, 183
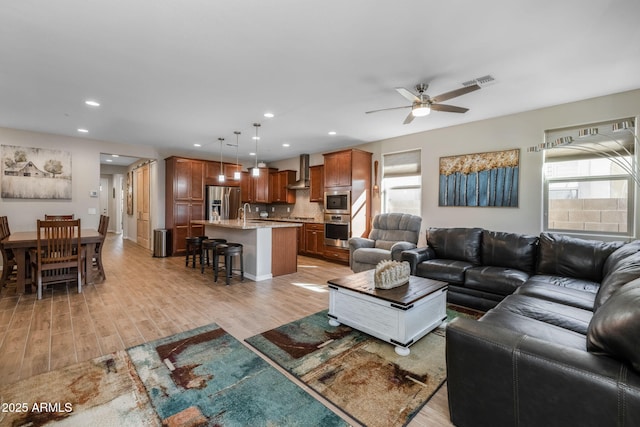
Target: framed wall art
481, 179
130, 193
35, 173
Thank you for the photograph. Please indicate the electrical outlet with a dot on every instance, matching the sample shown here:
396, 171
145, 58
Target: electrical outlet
288, 209
257, 209
273, 208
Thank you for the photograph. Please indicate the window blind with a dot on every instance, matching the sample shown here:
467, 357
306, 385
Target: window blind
405, 163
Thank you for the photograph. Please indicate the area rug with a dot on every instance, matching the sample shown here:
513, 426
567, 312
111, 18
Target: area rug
360, 374
205, 377
102, 391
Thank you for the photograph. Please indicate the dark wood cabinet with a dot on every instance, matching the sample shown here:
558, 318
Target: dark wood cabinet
259, 185
229, 171
314, 239
337, 169
316, 184
336, 254
278, 186
184, 199
245, 186
211, 172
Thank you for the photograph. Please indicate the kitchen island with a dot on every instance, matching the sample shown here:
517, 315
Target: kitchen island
269, 247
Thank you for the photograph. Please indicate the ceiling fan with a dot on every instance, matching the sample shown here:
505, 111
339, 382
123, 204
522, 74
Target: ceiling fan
422, 104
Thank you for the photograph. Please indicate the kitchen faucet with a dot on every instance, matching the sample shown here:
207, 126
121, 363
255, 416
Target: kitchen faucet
244, 212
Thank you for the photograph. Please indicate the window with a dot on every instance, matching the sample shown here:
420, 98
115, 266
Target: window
402, 182
589, 177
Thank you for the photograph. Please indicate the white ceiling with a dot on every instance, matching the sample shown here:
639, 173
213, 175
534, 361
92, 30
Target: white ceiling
173, 73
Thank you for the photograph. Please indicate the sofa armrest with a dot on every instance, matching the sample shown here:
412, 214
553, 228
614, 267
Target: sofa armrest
416, 256
497, 376
360, 242
398, 248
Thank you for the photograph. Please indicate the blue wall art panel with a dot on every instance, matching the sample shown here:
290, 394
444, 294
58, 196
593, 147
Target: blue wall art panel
481, 179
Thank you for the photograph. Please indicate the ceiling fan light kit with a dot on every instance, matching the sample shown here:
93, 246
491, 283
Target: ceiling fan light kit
421, 111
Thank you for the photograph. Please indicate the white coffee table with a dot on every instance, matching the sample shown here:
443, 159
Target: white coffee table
400, 316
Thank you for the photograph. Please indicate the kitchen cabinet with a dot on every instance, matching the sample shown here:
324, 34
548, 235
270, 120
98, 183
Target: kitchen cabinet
316, 184
336, 254
211, 172
184, 200
337, 169
259, 185
314, 239
245, 186
229, 171
278, 186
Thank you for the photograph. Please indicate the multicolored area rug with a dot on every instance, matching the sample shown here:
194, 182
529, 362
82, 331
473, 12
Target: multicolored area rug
205, 377
102, 391
358, 373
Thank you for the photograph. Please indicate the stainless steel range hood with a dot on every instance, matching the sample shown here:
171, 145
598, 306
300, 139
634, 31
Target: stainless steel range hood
303, 180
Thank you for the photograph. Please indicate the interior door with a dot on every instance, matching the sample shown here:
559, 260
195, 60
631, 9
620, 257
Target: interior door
143, 207
104, 195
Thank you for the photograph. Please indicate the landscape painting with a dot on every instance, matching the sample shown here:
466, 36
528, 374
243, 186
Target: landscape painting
481, 179
35, 173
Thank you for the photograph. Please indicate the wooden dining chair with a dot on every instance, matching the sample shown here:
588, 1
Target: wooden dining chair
64, 217
57, 258
103, 226
8, 259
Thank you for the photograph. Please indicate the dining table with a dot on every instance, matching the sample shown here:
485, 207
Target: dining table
22, 241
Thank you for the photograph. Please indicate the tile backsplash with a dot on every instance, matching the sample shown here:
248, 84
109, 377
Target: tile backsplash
302, 208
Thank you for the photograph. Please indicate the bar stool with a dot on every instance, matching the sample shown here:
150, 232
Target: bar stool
209, 245
194, 248
228, 251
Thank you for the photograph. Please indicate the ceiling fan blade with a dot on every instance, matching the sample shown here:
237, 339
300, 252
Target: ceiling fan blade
454, 93
410, 96
409, 119
448, 108
386, 109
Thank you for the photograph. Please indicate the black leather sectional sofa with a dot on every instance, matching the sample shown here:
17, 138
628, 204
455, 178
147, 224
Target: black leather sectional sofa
561, 345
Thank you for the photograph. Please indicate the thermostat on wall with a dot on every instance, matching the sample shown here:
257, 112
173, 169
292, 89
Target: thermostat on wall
93, 193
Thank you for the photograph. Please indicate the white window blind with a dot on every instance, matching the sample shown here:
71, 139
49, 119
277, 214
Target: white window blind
406, 163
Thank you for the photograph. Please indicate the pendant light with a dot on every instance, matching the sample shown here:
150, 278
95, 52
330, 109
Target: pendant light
236, 174
221, 176
256, 172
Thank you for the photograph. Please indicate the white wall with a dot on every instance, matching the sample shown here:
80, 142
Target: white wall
520, 130
85, 164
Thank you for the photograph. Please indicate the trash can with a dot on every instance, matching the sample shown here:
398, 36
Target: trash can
160, 242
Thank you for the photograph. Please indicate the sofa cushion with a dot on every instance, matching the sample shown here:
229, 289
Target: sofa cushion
618, 255
384, 244
447, 270
572, 318
615, 326
534, 328
462, 244
571, 257
566, 282
561, 294
499, 280
623, 272
510, 250
371, 256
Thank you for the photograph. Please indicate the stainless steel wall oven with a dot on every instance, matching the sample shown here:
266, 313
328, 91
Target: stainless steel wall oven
337, 230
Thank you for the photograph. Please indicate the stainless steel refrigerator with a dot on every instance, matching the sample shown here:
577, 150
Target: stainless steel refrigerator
224, 200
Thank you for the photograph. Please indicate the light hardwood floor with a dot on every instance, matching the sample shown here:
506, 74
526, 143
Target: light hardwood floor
145, 298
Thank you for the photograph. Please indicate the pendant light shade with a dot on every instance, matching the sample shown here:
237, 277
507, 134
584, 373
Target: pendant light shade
236, 174
256, 172
221, 176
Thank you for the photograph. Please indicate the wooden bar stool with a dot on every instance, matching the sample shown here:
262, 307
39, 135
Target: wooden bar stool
209, 245
194, 249
228, 251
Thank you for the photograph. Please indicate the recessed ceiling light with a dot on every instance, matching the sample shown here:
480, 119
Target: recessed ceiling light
252, 154
269, 115
83, 130
109, 160
197, 145
256, 138
115, 155
92, 103
333, 132
286, 145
